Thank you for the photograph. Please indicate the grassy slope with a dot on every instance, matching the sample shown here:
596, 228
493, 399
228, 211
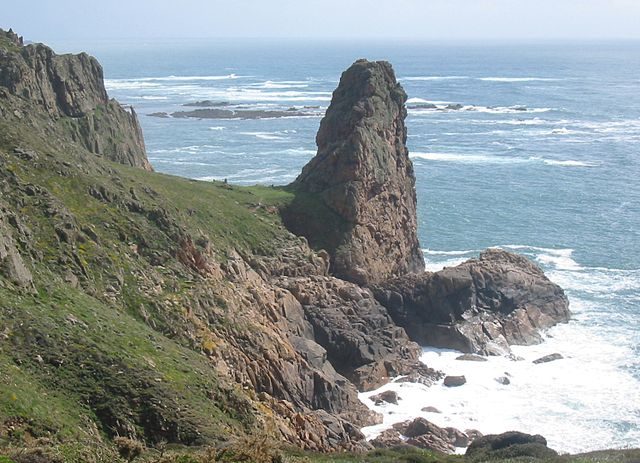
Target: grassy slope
71, 362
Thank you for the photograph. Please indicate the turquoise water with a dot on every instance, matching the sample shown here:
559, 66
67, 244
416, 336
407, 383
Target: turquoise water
542, 158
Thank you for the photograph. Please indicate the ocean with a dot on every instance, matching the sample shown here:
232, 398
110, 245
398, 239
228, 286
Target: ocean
529, 147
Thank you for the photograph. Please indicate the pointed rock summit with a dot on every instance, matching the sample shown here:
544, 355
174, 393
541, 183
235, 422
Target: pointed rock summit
361, 182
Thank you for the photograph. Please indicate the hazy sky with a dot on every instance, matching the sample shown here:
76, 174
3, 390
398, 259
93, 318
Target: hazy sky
420, 19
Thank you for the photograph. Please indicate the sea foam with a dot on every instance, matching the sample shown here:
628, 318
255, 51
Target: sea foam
587, 393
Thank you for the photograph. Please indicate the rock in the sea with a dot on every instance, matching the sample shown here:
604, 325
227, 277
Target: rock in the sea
217, 113
481, 306
390, 397
430, 409
454, 381
356, 198
503, 380
472, 358
548, 358
509, 445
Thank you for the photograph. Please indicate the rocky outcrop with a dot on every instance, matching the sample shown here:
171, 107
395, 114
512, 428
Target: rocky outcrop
71, 87
423, 434
509, 445
357, 196
12, 265
481, 306
361, 340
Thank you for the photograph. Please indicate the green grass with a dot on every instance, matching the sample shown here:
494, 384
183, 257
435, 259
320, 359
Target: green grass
65, 349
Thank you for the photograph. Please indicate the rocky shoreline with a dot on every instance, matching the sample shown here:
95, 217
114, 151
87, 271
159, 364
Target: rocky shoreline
228, 311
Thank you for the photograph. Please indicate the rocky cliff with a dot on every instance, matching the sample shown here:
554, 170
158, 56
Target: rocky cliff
159, 308
363, 179
173, 311
70, 90
356, 199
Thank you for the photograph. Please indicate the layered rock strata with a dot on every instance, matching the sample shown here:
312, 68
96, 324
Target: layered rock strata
361, 181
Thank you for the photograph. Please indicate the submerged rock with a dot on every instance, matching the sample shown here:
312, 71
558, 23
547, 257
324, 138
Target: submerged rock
430, 409
472, 358
356, 197
217, 113
207, 104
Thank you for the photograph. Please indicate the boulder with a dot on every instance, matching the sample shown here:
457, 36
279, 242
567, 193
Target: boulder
387, 439
509, 445
548, 358
356, 198
426, 435
390, 397
454, 381
481, 306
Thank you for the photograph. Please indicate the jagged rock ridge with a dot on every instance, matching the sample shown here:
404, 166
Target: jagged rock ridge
363, 175
69, 88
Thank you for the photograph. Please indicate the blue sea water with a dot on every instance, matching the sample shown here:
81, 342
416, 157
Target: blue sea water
543, 158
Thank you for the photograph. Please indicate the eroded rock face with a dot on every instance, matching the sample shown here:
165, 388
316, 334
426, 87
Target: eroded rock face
71, 86
362, 181
66, 85
481, 306
361, 340
12, 265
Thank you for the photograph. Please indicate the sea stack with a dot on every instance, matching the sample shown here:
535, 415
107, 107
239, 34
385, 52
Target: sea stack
361, 181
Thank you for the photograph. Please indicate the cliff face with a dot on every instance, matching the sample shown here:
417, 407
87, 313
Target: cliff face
69, 88
363, 175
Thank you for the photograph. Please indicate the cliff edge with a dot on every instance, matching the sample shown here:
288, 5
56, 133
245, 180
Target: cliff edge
364, 178
35, 82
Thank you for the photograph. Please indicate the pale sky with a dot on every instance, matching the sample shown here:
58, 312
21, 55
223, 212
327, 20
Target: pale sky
43, 20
